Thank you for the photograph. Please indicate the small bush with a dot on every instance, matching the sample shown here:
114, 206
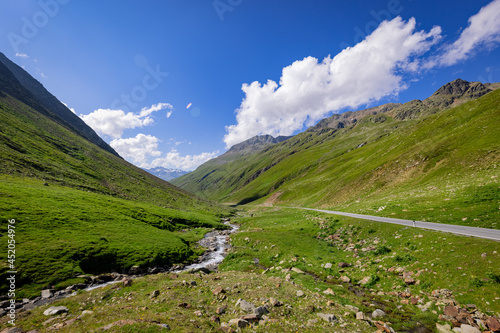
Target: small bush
405, 258
476, 282
494, 278
372, 231
382, 250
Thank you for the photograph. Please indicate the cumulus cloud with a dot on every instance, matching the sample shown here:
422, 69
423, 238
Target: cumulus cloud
308, 89
138, 148
22, 55
483, 31
114, 122
174, 160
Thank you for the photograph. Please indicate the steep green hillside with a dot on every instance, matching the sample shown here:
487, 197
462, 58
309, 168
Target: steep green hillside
79, 207
426, 160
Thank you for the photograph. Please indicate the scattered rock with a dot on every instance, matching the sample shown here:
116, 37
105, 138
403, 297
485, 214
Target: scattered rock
261, 310
345, 279
361, 316
297, 270
328, 265
468, 329
274, 302
198, 313
240, 323
154, 294
328, 291
251, 318
54, 310
484, 255
365, 280
352, 308
47, 293
378, 314
493, 324
312, 322
127, 281
221, 310
218, 290
85, 312
184, 305
330, 318
450, 310
343, 265
409, 280
12, 330
215, 319
245, 306
300, 293
443, 328
118, 323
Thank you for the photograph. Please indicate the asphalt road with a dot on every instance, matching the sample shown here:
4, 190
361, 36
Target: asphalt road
455, 229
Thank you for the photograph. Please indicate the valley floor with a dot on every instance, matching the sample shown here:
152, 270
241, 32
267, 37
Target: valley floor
312, 272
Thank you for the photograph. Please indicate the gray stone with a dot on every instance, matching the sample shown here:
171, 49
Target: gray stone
443, 328
361, 316
469, 329
328, 291
345, 279
297, 270
300, 293
328, 265
352, 308
330, 318
154, 294
365, 280
13, 330
53, 310
245, 306
378, 314
47, 293
275, 302
261, 310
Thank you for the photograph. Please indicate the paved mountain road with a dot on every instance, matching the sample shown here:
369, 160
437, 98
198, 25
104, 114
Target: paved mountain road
493, 234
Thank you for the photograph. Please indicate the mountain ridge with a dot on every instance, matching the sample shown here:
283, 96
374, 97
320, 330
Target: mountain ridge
373, 152
34, 94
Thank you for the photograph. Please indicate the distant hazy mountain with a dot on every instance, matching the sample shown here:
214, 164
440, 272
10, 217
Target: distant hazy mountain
166, 174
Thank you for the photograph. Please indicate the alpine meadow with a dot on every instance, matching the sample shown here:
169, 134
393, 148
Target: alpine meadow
250, 166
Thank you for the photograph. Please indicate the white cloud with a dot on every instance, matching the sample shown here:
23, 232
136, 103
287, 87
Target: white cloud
114, 122
483, 31
22, 55
72, 109
308, 89
137, 149
174, 160
156, 107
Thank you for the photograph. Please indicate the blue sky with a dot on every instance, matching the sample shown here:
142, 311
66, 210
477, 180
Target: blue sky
247, 67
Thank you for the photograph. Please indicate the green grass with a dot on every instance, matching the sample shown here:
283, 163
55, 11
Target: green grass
63, 232
33, 146
284, 238
80, 209
441, 167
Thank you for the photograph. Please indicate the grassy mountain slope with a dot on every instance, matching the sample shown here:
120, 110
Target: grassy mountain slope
427, 160
79, 208
18, 83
